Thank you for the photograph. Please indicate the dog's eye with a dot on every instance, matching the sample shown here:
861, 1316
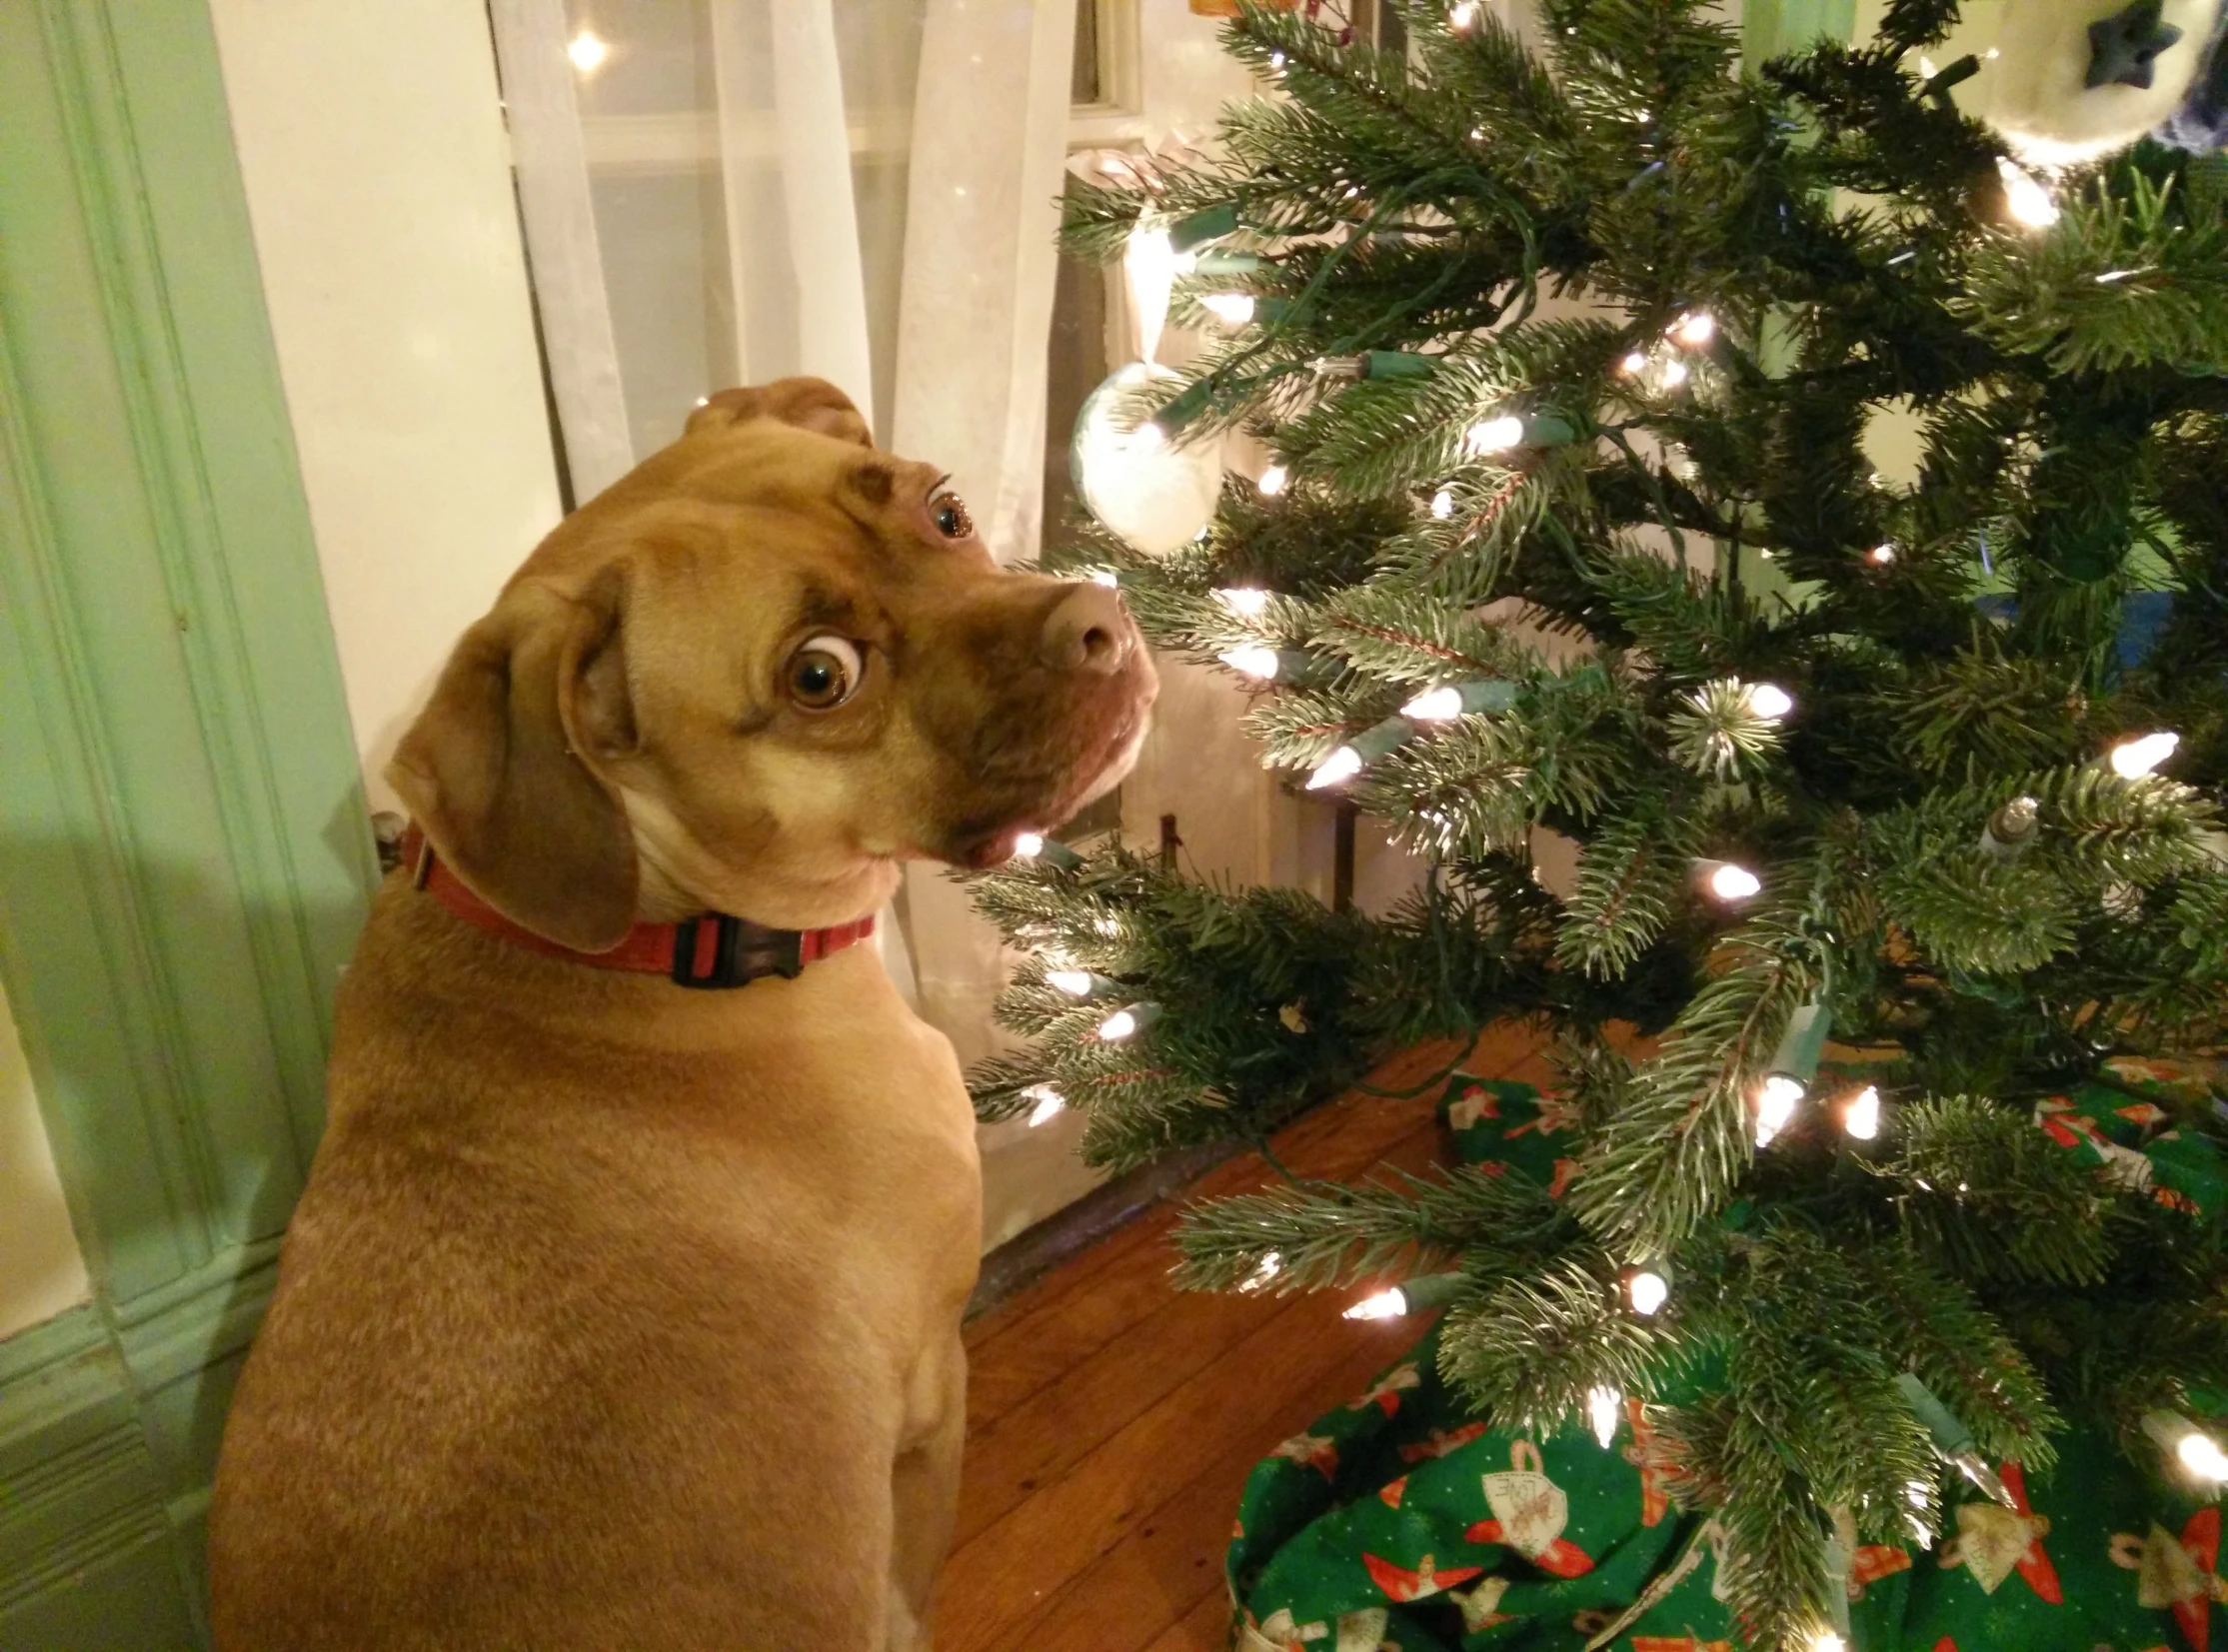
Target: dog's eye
950, 517
822, 675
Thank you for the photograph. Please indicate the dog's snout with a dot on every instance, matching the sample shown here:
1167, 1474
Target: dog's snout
1087, 631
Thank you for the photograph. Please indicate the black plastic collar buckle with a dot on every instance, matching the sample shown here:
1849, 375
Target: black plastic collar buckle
744, 953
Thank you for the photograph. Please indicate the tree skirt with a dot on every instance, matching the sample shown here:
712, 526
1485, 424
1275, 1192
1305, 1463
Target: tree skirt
1397, 1521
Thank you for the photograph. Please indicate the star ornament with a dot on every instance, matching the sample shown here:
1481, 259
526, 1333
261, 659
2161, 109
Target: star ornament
1993, 1542
2124, 48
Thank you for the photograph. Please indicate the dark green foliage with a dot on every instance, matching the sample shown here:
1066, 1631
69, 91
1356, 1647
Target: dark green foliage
1668, 541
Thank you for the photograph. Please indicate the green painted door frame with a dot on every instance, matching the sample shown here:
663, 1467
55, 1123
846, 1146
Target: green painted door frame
184, 858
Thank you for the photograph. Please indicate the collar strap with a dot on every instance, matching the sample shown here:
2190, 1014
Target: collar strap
712, 950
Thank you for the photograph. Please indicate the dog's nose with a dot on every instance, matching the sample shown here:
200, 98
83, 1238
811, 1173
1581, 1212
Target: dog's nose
1087, 631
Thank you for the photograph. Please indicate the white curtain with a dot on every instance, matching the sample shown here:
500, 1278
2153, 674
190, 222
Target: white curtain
727, 191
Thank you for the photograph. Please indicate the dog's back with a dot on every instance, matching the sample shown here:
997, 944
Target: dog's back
589, 1323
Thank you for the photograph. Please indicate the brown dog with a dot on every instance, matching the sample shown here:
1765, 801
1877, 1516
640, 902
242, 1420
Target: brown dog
618, 1315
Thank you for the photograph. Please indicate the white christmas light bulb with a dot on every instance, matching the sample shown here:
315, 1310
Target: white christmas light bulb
1435, 704
1881, 555
1385, 1305
1827, 1641
1148, 437
1861, 1119
1252, 661
2202, 1457
1105, 576
1604, 1406
1770, 702
1050, 1103
1462, 16
1271, 1266
1633, 363
2030, 203
1272, 481
1074, 982
1245, 599
1674, 374
1118, 1027
1231, 309
1647, 1291
1442, 505
1341, 765
1776, 1101
1696, 329
2133, 758
1494, 435
1029, 846
1730, 882
587, 52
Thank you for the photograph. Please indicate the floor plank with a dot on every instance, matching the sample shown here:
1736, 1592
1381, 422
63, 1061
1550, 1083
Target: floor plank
1112, 1420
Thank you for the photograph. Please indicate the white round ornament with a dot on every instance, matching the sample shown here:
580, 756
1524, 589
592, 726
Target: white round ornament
2066, 81
1137, 481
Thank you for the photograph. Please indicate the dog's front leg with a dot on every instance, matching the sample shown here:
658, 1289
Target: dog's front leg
925, 1492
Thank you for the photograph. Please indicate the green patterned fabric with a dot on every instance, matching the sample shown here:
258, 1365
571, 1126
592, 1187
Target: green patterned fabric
1397, 1522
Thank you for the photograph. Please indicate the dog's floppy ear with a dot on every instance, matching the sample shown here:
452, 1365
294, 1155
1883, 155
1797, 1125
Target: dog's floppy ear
493, 770
808, 404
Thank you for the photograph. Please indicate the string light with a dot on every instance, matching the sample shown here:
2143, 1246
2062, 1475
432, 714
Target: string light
1442, 505
1674, 374
1367, 747
1462, 16
1727, 881
1122, 1024
1271, 1265
2011, 828
1272, 481
1881, 555
1245, 599
1604, 1406
2030, 202
1077, 983
1861, 1119
1494, 435
1953, 1441
1825, 1640
1776, 1100
2133, 758
2197, 1451
1029, 846
1231, 309
1452, 699
1647, 1291
1252, 661
2202, 1457
1633, 365
587, 52
1792, 1066
1050, 1103
1770, 702
1695, 329
1341, 765
1385, 1305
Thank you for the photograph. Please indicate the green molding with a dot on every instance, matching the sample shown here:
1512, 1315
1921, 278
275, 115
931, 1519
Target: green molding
184, 856
1772, 28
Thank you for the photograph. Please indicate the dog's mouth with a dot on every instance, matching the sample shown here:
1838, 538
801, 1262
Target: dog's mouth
985, 840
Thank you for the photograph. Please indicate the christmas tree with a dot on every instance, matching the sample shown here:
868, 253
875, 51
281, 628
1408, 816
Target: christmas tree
1570, 359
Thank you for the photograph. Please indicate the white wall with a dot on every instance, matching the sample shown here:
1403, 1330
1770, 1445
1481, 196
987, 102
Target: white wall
371, 140
41, 1269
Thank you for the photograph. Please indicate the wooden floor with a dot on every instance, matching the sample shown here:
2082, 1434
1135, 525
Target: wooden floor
1112, 1420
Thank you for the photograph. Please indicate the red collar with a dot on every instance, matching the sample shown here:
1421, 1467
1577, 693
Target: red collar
713, 951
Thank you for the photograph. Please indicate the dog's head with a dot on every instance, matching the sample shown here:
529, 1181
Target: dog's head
756, 674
